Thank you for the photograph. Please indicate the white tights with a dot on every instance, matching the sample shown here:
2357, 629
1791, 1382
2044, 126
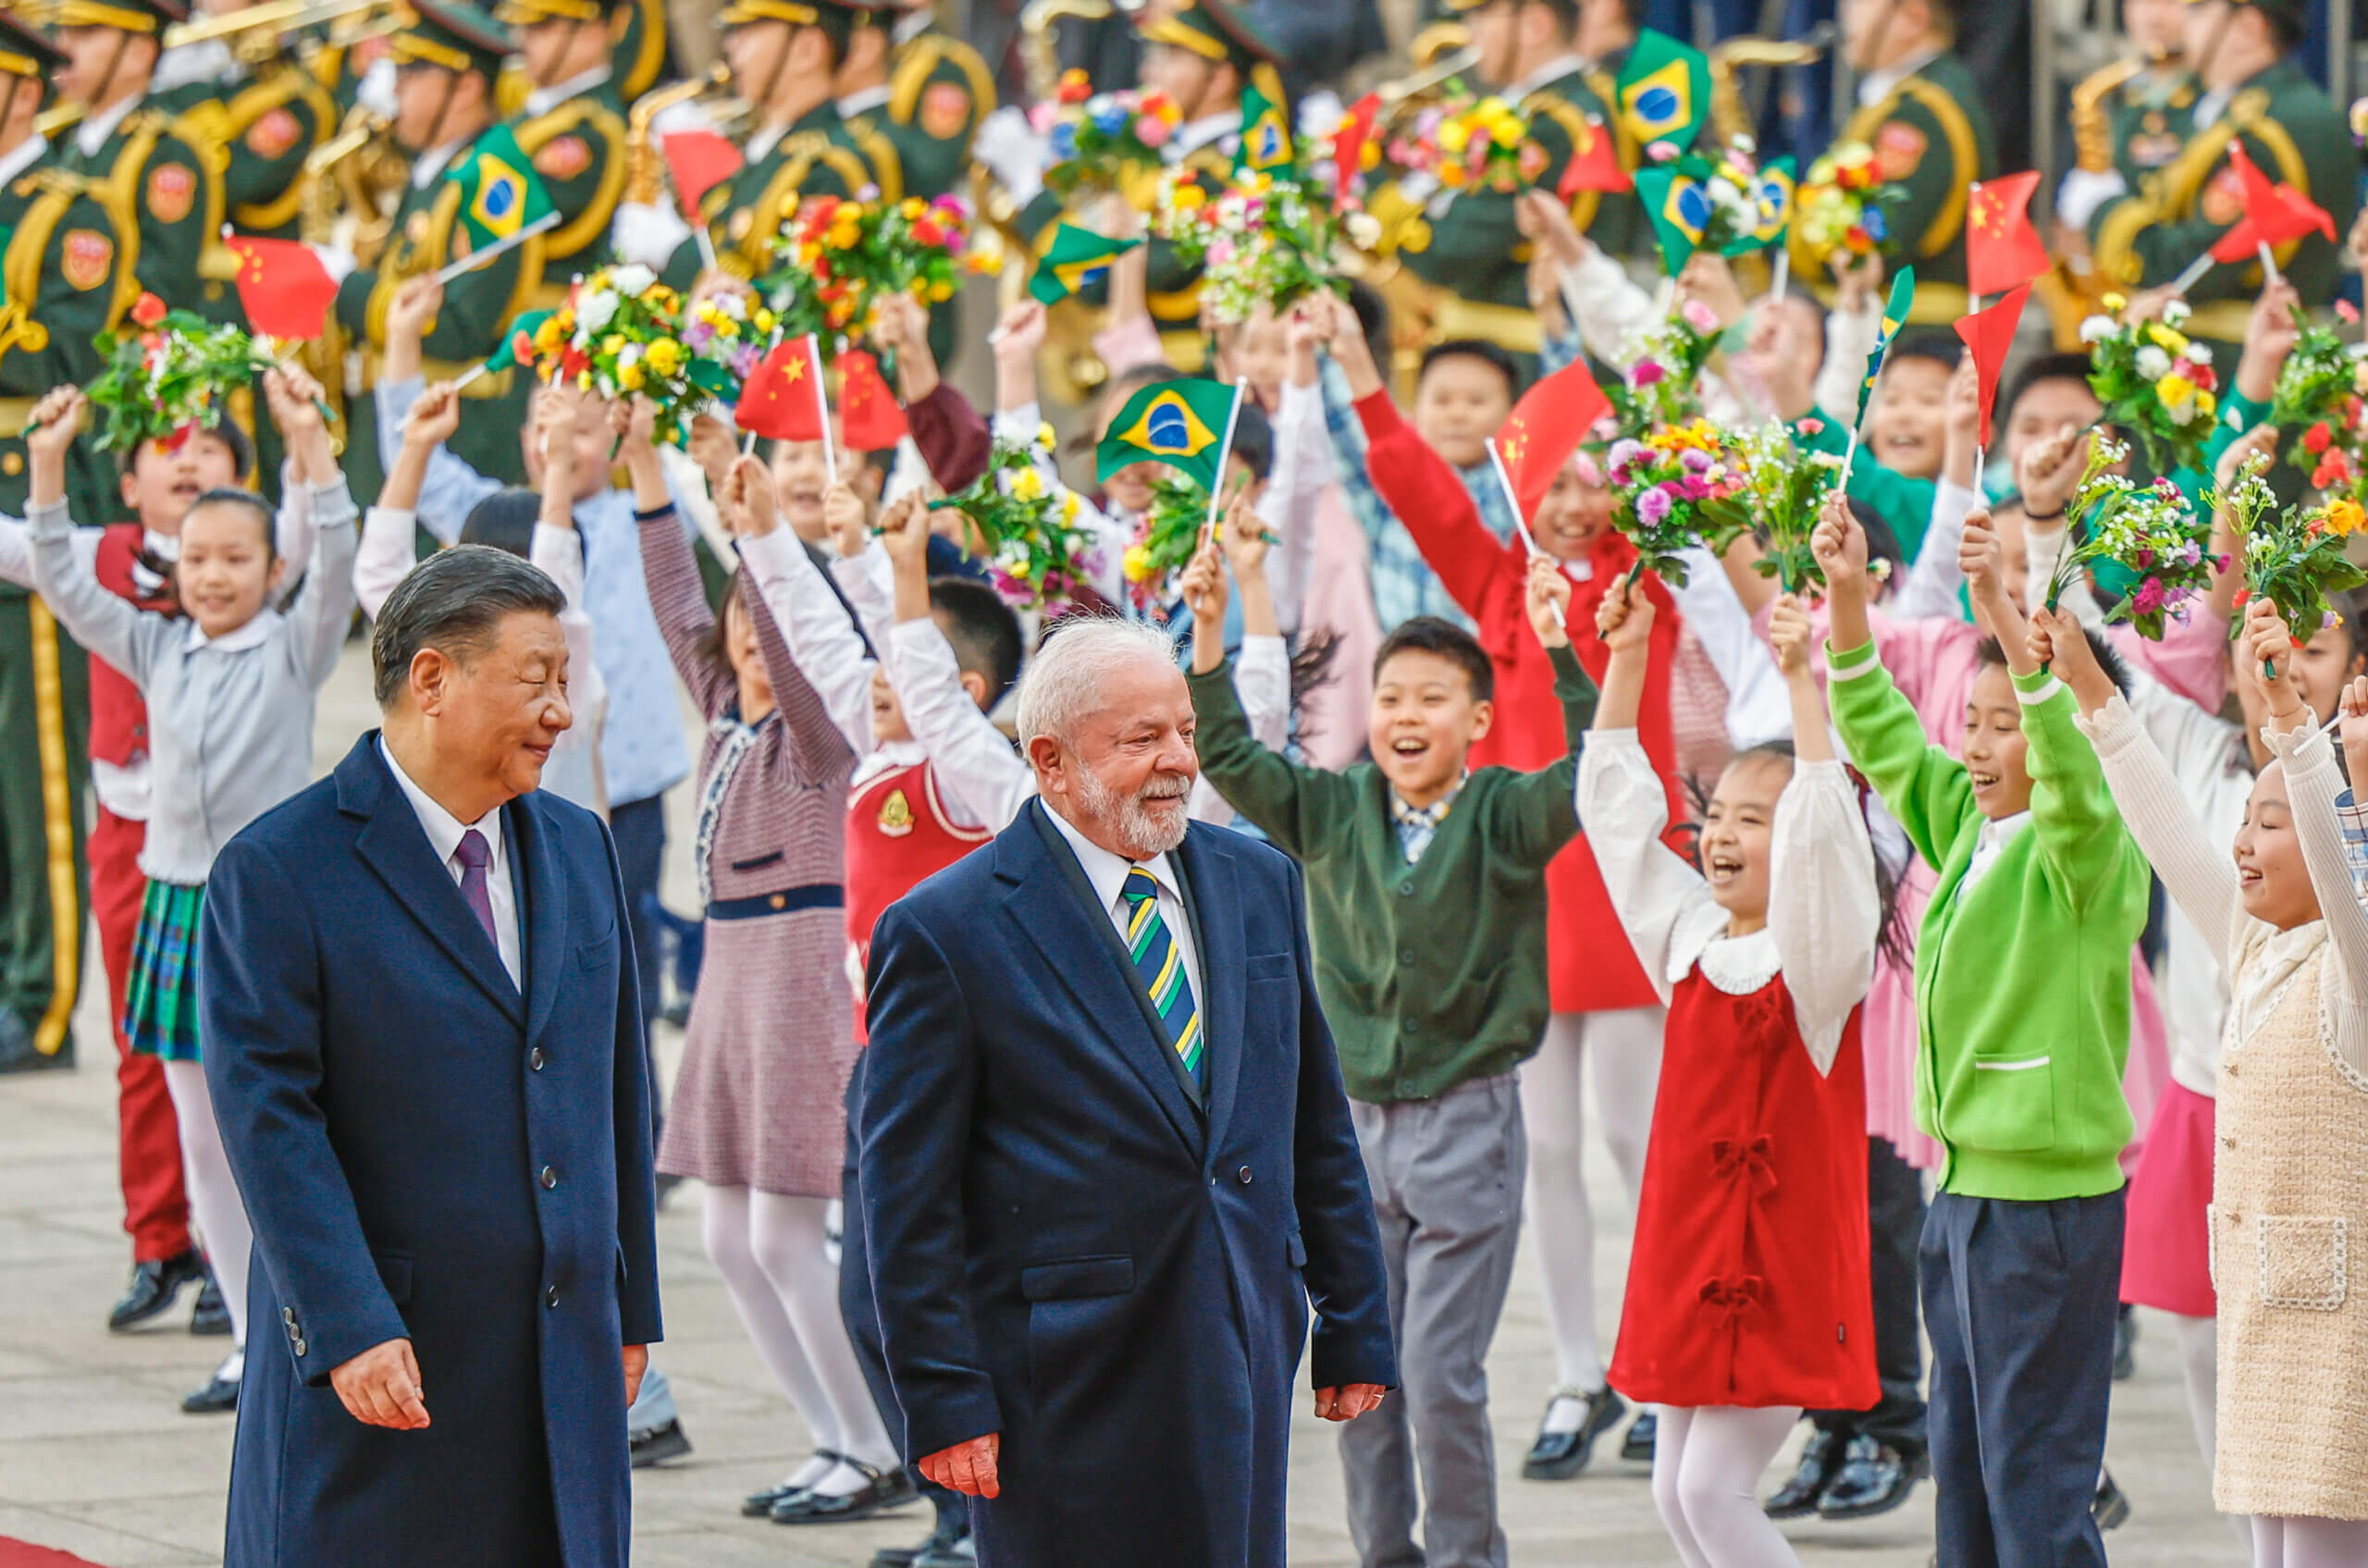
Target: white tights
768, 1247
1623, 1049
2309, 1543
213, 1195
2199, 1347
1706, 1464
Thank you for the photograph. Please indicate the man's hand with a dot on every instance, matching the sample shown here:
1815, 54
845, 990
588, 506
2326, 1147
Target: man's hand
636, 1363
967, 1468
381, 1388
1348, 1401
1549, 602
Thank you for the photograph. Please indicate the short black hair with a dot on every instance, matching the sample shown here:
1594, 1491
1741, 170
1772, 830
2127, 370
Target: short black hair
504, 519
246, 499
1883, 544
1254, 439
1373, 320
1135, 377
1480, 349
1943, 348
2347, 609
1429, 634
2046, 367
981, 629
454, 602
241, 445
2109, 658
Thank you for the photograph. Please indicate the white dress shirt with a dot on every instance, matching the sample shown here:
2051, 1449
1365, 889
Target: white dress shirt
444, 832
542, 100
1107, 873
1996, 834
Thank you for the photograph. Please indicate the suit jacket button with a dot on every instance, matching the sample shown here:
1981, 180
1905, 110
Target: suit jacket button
549, 1179
288, 1315
297, 1347
1407, 955
534, 1059
1242, 1176
550, 1295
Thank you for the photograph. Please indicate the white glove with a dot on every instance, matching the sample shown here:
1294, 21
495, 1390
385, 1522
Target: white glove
338, 262
2084, 192
648, 233
377, 92
1013, 152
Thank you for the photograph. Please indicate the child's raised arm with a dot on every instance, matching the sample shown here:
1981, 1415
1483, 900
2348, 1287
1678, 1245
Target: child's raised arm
103, 623
1625, 622
1790, 636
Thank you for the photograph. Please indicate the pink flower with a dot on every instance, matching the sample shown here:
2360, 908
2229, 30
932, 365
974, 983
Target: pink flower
1653, 507
1812, 426
1693, 487
1151, 130
1590, 474
1700, 317
1694, 460
1661, 151
2149, 598
1041, 116
2348, 313
1647, 373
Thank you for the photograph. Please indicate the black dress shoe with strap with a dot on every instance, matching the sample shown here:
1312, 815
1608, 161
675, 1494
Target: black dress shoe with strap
212, 1318
155, 1286
951, 1529
1875, 1478
1797, 1498
881, 1490
657, 1445
2110, 1508
1558, 1456
760, 1505
1636, 1444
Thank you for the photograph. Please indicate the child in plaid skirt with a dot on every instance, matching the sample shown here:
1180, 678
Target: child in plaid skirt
230, 688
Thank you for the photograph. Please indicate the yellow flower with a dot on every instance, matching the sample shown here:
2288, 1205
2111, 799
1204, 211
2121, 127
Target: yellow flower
2174, 389
2115, 304
1188, 198
1137, 563
582, 380
550, 334
789, 206
629, 376
664, 356
2346, 517
2175, 342
1451, 175
1046, 437
913, 207
939, 292
1069, 507
1455, 135
614, 343
764, 320
1027, 485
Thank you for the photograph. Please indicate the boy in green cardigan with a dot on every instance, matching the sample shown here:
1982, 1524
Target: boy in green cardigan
1426, 898
2022, 1002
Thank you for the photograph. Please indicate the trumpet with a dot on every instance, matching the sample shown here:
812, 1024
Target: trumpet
277, 16
644, 170
1437, 74
1040, 46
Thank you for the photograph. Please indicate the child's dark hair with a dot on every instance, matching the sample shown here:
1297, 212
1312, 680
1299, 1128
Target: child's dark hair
232, 495
2108, 658
1882, 543
2047, 368
1485, 353
982, 630
1254, 439
1943, 348
504, 519
1312, 669
712, 643
241, 445
1373, 320
1894, 937
1429, 634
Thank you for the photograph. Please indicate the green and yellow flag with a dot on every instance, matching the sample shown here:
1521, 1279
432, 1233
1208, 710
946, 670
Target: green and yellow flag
500, 193
1679, 207
1903, 294
1076, 258
1664, 90
1186, 423
1265, 134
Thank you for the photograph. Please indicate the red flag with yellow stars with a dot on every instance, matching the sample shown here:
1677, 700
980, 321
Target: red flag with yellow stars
285, 290
2274, 213
1595, 165
2001, 249
1547, 427
1990, 336
870, 416
783, 399
1349, 138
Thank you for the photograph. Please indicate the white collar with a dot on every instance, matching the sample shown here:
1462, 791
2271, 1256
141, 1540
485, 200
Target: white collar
1999, 832
432, 163
761, 143
887, 758
542, 100
94, 129
25, 155
254, 634
1554, 69
862, 101
1193, 135
1876, 86
164, 547
911, 27
443, 829
187, 63
1106, 871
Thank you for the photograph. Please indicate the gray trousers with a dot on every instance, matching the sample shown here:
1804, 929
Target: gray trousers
1447, 1180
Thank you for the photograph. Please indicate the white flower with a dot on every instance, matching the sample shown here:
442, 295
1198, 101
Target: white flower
1363, 230
2153, 362
629, 354
2199, 353
733, 306
2176, 312
595, 312
631, 280
2097, 328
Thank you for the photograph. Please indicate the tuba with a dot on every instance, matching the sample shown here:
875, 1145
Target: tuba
645, 168
1729, 115
1040, 43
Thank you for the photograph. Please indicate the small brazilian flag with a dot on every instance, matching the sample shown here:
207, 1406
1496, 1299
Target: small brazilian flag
1664, 90
1186, 425
500, 193
1773, 195
1265, 134
1679, 207
1903, 294
1075, 260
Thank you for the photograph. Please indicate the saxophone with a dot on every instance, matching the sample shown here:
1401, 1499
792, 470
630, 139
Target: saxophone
1039, 45
1729, 115
645, 166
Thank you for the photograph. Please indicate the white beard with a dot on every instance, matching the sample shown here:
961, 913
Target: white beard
1142, 835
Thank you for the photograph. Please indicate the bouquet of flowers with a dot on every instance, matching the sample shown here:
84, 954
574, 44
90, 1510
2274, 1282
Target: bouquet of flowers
1097, 139
620, 333
1729, 181
1673, 486
805, 287
1664, 362
1843, 207
1259, 239
170, 377
2319, 380
2296, 555
2152, 531
727, 337
1784, 487
2154, 381
1036, 553
911, 247
1164, 540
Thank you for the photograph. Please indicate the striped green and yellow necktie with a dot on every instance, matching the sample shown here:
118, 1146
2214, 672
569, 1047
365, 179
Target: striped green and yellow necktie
1159, 963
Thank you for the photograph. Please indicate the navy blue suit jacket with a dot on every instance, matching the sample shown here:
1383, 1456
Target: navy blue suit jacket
428, 1154
1068, 1251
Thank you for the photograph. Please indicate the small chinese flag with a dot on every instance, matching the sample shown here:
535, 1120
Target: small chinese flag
285, 290
783, 399
870, 417
1990, 336
1595, 165
2001, 249
698, 161
2274, 213
1547, 427
1348, 139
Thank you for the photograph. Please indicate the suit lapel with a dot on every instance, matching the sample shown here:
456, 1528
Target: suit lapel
542, 916
1209, 882
1054, 906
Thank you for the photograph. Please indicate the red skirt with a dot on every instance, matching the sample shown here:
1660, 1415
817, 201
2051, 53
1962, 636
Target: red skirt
2165, 1252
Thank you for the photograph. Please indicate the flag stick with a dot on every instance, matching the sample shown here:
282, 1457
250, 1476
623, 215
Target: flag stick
476, 259
1667, 297
2268, 265
1529, 540
482, 368
822, 405
708, 261
1848, 458
2193, 275
1225, 451
1784, 271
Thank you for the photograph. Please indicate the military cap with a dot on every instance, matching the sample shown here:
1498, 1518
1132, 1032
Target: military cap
527, 13
450, 34
24, 52
125, 16
1214, 29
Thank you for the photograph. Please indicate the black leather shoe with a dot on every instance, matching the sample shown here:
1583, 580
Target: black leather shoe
212, 1317
962, 1553
951, 1532
1875, 1478
882, 1492
2110, 1508
760, 1505
1796, 1499
219, 1397
657, 1445
2124, 1346
1558, 1456
155, 1286
1637, 1445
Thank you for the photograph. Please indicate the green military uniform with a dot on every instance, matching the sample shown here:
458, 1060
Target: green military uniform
65, 281
428, 233
577, 146
1932, 136
2295, 135
269, 122
2131, 117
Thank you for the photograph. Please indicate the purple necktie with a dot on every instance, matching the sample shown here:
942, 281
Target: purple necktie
475, 855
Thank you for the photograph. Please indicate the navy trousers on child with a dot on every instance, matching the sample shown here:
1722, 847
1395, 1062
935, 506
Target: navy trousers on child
2019, 1300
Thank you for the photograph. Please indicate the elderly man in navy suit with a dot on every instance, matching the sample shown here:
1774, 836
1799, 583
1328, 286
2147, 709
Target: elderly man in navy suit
418, 996
1107, 1166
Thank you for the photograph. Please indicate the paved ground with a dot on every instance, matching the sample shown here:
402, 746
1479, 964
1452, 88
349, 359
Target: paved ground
96, 1457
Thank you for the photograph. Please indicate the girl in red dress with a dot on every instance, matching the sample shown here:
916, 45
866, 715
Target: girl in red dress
1748, 1294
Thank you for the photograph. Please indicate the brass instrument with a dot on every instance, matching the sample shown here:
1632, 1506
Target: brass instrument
272, 17
353, 182
1040, 47
645, 168
1729, 116
1409, 94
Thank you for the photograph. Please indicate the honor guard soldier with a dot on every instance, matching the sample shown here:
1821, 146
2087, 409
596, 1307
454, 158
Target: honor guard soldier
1921, 112
572, 125
447, 60
784, 57
264, 107
2129, 118
923, 90
2250, 89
